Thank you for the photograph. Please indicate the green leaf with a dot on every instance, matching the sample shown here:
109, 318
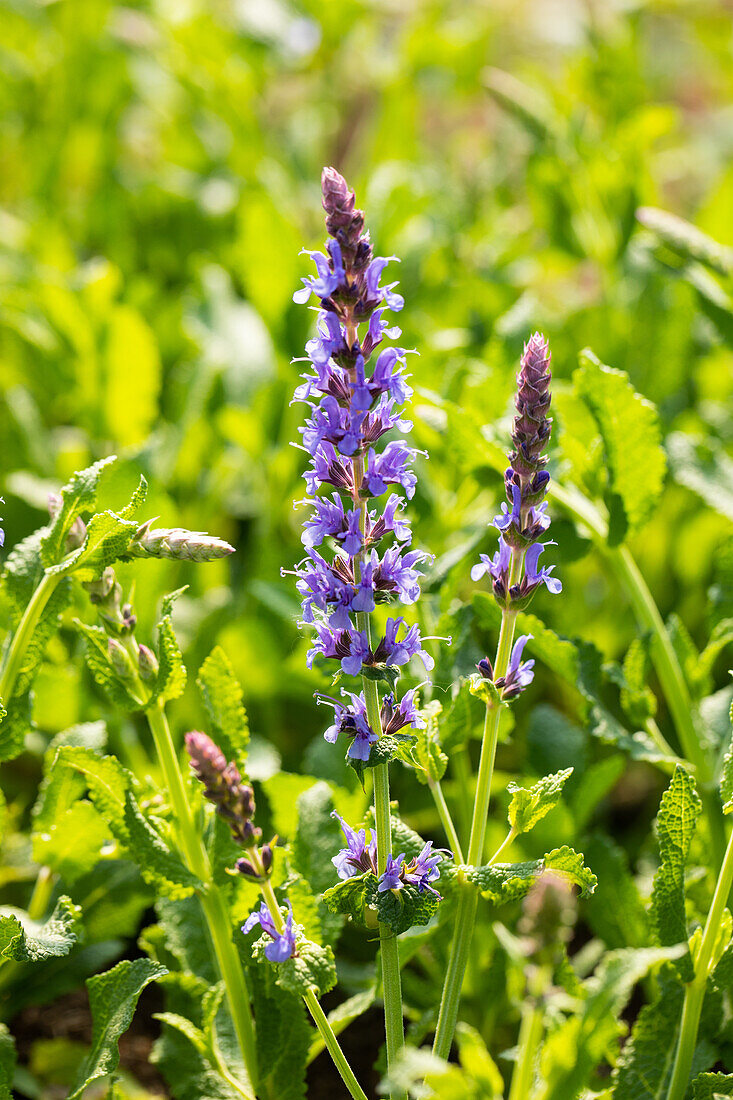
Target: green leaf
430, 761
504, 882
73, 844
615, 912
349, 896
686, 240
401, 909
701, 465
282, 1046
26, 940
109, 788
79, 495
528, 806
8, 1059
678, 813
171, 679
637, 699
571, 865
384, 750
313, 967
107, 540
222, 698
317, 838
709, 1086
96, 654
629, 426
113, 998
158, 865
463, 719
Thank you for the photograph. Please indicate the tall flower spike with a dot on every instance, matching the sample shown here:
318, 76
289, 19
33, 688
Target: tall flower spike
352, 404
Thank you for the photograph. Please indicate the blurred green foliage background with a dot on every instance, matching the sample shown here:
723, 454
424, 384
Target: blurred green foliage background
160, 172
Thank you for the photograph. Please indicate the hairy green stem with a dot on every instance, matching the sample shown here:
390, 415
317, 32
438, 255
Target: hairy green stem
445, 819
24, 632
695, 990
530, 1034
466, 915
212, 901
313, 1006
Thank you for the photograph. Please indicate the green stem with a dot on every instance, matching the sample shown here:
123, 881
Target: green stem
212, 901
695, 990
391, 981
14, 656
669, 671
446, 820
530, 1034
311, 1001
466, 915
508, 839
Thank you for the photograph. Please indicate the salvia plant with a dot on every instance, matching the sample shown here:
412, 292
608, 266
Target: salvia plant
505, 963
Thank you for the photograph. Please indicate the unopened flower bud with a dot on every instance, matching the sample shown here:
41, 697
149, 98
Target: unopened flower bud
177, 543
223, 786
100, 589
147, 664
120, 660
129, 618
77, 534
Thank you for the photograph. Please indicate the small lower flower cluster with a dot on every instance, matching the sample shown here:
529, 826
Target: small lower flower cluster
360, 856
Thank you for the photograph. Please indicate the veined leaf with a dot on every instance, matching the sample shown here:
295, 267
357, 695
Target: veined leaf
313, 967
645, 1065
79, 495
528, 806
113, 998
401, 909
97, 659
25, 940
431, 762
678, 813
635, 459
348, 896
709, 1086
222, 698
171, 679
107, 539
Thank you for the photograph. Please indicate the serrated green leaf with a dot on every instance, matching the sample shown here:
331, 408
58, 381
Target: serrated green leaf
113, 998
709, 1086
528, 806
629, 426
645, 1066
122, 694
73, 843
317, 839
571, 865
171, 679
429, 759
401, 909
27, 940
158, 865
79, 495
637, 699
109, 788
504, 882
678, 813
222, 699
462, 720
107, 540
282, 1046
313, 967
348, 897
382, 751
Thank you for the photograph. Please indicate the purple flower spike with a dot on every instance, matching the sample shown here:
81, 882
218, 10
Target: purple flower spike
283, 945
354, 396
